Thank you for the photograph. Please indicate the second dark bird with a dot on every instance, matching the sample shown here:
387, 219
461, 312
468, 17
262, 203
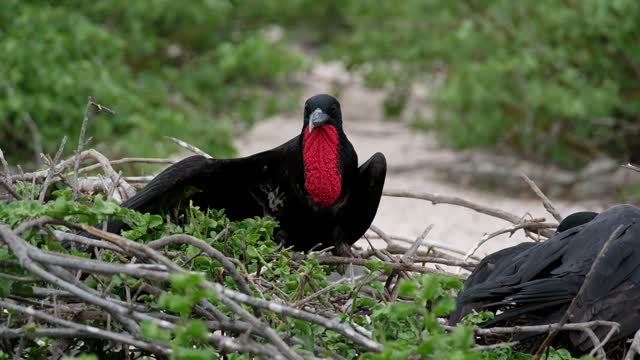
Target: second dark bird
311, 184
534, 283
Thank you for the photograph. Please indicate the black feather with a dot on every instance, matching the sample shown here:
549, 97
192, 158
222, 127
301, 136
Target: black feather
272, 183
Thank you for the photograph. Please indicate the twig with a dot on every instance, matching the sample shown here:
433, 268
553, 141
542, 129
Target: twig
495, 346
209, 250
340, 328
37, 138
334, 260
18, 278
5, 168
87, 329
52, 167
509, 229
324, 290
269, 332
631, 167
448, 262
21, 250
134, 160
186, 145
81, 139
10, 189
604, 341
569, 313
634, 348
545, 200
411, 253
406, 258
66, 236
388, 238
452, 200
538, 329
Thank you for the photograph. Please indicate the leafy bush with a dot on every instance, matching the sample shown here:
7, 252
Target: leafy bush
407, 327
554, 80
166, 68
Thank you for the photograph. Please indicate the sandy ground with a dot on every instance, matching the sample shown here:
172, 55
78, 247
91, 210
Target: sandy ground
369, 132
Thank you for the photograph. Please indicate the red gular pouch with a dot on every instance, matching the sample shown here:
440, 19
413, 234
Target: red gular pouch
321, 149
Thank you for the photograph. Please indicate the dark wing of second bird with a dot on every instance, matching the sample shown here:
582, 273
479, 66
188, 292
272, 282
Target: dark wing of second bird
538, 281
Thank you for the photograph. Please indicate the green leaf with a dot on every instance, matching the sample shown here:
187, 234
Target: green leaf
180, 304
30, 327
5, 287
195, 354
407, 288
151, 330
197, 329
180, 282
375, 264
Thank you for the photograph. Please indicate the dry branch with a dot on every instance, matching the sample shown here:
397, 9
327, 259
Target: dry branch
51, 170
453, 200
389, 239
634, 348
187, 146
86, 329
334, 260
545, 200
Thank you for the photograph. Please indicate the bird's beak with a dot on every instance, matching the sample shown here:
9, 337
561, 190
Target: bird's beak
317, 118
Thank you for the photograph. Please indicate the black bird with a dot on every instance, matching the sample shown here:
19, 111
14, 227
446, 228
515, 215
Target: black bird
494, 264
537, 281
311, 184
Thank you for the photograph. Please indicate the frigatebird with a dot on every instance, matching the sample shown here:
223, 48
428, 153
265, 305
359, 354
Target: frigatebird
311, 184
535, 282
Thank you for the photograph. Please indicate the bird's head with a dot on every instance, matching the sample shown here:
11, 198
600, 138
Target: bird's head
321, 139
575, 220
322, 110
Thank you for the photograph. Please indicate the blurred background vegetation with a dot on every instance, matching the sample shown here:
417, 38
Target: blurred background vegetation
551, 80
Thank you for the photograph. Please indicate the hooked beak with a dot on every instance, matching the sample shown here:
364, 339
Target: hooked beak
317, 118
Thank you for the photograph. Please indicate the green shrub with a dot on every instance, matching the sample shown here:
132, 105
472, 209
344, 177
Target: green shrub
554, 80
166, 68
407, 326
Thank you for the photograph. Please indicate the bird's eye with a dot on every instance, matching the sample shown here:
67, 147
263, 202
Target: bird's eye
334, 108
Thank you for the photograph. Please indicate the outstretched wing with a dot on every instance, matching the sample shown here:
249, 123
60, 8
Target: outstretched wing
244, 187
173, 180
363, 203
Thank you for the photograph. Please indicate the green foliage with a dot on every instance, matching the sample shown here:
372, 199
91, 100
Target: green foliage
507, 353
476, 318
407, 327
166, 68
410, 327
554, 80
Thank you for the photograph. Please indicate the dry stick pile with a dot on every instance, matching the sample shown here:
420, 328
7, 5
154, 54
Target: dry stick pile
69, 304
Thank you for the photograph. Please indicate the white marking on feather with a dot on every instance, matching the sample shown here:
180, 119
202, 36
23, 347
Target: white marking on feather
276, 200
